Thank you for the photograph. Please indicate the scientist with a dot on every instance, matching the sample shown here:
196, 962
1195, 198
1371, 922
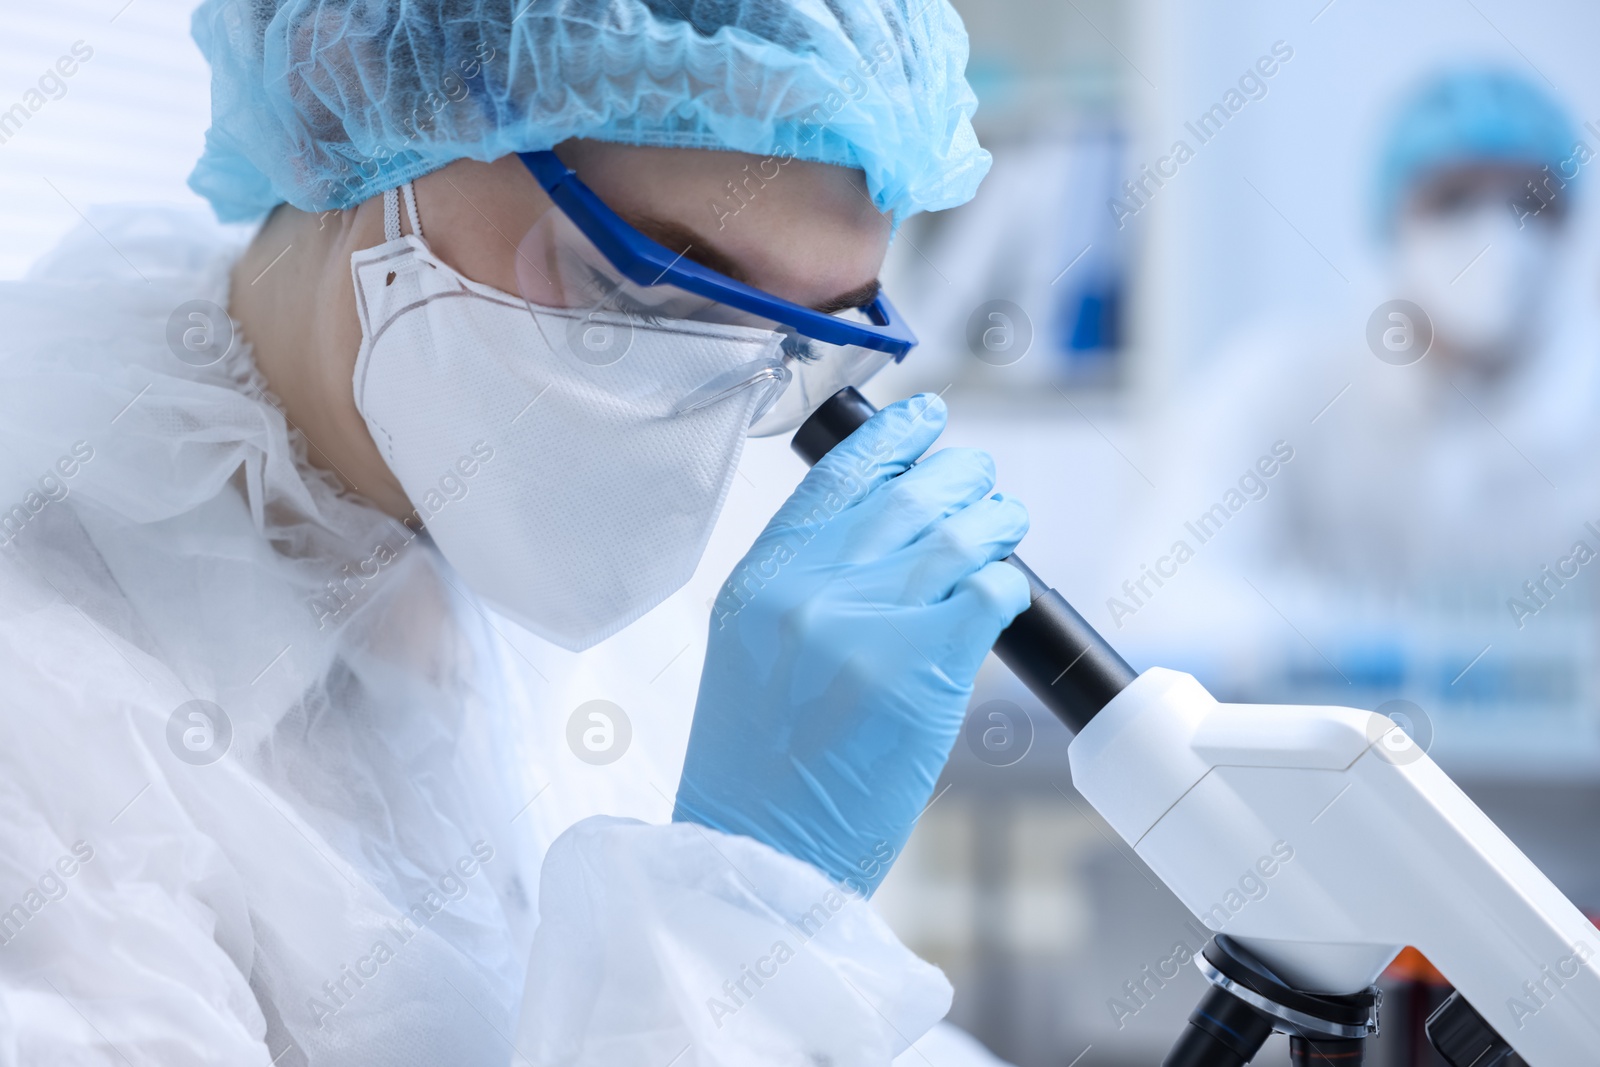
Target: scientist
525, 282
1446, 440
1386, 473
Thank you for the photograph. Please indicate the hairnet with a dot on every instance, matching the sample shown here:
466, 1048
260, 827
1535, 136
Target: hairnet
325, 103
1468, 115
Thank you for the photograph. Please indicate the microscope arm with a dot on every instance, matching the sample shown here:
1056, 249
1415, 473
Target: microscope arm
1324, 840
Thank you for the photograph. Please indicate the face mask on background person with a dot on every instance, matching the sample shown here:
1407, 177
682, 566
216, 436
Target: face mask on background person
1465, 195
1480, 279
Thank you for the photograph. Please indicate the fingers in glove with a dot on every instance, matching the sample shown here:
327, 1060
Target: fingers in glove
960, 544
880, 449
977, 610
899, 512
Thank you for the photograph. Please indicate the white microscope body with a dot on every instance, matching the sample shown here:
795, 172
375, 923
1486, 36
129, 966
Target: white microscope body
1323, 840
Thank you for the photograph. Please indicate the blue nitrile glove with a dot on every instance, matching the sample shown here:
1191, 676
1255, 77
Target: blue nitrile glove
844, 646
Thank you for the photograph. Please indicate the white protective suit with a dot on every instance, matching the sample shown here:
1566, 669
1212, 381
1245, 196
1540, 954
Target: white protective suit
1407, 472
1412, 492
398, 859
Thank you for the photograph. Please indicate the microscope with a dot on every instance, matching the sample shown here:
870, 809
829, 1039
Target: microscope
1362, 844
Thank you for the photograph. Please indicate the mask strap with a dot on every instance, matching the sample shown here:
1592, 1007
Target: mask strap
411, 208
391, 212
391, 215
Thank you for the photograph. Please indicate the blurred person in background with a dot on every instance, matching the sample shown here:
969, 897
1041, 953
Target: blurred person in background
1436, 447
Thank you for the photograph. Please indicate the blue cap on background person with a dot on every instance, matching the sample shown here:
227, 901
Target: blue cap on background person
1464, 116
324, 103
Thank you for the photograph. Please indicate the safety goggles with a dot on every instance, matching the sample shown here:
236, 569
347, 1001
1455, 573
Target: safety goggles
587, 256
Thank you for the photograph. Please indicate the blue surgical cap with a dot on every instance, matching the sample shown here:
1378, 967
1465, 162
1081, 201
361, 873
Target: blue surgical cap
324, 103
1464, 116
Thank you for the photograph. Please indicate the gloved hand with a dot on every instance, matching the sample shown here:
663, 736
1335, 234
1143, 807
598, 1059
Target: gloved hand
844, 646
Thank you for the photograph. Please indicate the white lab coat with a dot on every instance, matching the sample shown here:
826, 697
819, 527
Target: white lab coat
398, 859
1415, 499
1400, 473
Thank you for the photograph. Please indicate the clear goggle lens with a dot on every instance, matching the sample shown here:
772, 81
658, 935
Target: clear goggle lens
558, 267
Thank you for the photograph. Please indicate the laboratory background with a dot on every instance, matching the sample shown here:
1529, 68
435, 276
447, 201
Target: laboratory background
1184, 313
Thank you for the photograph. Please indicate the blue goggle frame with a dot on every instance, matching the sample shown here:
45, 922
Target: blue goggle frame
646, 262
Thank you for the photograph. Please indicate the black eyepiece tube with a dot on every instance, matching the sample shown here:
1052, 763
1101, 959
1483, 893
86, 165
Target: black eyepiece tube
1223, 1031
1055, 653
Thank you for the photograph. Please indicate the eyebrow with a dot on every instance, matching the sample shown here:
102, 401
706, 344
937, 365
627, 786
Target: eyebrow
859, 297
679, 238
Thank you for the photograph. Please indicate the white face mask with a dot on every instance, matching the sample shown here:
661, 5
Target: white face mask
568, 492
1480, 279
